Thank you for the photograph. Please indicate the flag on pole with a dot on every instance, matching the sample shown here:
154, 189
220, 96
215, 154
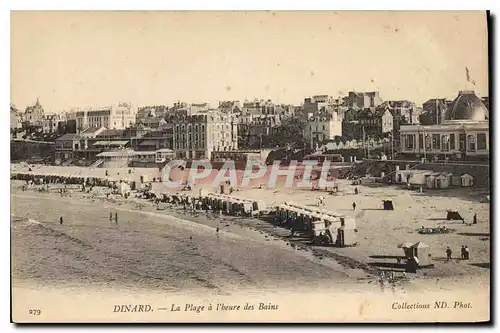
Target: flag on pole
467, 75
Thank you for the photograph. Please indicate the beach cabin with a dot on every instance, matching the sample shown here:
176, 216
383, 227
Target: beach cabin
438, 180
124, 189
387, 204
466, 180
406, 247
414, 177
418, 177
423, 253
346, 237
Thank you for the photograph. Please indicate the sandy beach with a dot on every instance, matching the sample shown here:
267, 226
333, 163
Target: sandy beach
174, 251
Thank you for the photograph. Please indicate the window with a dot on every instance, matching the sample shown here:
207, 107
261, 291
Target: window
428, 142
461, 139
481, 141
436, 142
410, 141
452, 141
445, 140
472, 142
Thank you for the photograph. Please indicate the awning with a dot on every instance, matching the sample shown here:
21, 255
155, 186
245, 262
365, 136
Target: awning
117, 143
101, 143
119, 153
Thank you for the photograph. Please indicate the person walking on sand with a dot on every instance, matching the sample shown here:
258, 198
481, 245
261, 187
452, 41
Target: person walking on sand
61, 220
467, 253
353, 206
448, 254
110, 216
474, 219
462, 253
356, 190
116, 218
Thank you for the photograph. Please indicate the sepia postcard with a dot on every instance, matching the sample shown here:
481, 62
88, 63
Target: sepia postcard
250, 167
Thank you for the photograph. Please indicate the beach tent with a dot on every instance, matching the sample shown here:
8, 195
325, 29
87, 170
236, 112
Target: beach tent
387, 205
454, 215
407, 249
466, 180
423, 252
346, 237
429, 179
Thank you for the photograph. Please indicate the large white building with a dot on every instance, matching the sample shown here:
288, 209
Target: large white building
118, 116
323, 126
197, 136
463, 133
50, 123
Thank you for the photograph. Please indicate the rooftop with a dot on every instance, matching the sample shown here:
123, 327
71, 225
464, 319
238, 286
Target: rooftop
466, 106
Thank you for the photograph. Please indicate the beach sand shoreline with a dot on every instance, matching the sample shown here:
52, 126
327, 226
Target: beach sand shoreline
379, 231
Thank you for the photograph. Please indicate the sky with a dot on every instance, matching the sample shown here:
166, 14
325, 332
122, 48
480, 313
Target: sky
81, 59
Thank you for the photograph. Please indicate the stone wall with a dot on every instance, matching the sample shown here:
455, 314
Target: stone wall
22, 150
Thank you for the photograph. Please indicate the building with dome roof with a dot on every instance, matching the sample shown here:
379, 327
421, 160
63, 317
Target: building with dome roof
462, 134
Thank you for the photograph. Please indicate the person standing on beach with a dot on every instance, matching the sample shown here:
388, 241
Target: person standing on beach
61, 220
110, 216
474, 219
116, 218
217, 231
466, 253
448, 254
353, 206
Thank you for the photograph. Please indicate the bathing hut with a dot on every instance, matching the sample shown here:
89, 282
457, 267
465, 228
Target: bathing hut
423, 253
454, 215
420, 250
438, 180
387, 204
225, 189
407, 249
466, 180
346, 236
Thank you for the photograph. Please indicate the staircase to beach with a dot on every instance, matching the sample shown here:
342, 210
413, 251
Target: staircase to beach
96, 164
67, 162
